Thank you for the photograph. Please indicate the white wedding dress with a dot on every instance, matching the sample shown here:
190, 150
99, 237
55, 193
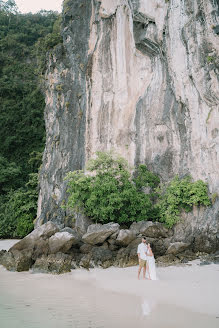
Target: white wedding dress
151, 268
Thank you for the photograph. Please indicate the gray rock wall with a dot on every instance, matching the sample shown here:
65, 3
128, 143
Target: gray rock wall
139, 77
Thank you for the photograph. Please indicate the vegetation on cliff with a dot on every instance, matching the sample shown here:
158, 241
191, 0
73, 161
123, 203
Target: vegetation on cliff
107, 191
24, 40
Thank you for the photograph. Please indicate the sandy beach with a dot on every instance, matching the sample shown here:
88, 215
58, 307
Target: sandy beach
185, 296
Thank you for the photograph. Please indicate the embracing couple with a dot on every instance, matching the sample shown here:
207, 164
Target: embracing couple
146, 260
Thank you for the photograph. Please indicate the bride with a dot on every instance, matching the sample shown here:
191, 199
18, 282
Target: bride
150, 268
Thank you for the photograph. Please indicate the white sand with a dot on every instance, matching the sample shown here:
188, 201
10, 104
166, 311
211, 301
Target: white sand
193, 287
183, 297
7, 243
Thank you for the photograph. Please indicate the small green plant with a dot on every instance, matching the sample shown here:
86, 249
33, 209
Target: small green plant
214, 197
210, 59
209, 114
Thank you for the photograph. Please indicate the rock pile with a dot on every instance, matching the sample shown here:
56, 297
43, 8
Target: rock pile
49, 249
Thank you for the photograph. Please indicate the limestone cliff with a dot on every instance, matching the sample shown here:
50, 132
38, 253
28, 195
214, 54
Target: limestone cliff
139, 77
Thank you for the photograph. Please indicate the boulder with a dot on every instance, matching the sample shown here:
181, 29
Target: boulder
53, 263
29, 242
154, 230
205, 243
125, 237
136, 227
82, 222
150, 229
98, 233
62, 242
85, 248
41, 246
177, 247
159, 246
186, 256
85, 261
17, 260
7, 260
114, 235
167, 260
2, 252
101, 254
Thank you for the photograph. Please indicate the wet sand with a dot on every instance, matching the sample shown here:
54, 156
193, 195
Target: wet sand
183, 297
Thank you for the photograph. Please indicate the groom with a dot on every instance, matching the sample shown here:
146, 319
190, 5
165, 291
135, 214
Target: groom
142, 257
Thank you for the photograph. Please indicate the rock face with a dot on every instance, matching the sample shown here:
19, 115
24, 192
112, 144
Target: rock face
139, 77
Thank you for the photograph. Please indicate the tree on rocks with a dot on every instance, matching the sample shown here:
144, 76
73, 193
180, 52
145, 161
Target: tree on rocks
107, 191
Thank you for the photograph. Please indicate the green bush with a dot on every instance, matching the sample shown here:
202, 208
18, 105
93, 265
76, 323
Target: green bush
180, 194
18, 210
107, 192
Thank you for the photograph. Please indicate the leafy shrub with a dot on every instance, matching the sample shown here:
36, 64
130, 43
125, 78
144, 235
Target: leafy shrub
18, 210
107, 191
180, 194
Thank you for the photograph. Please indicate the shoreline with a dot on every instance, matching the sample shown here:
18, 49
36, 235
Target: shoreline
184, 296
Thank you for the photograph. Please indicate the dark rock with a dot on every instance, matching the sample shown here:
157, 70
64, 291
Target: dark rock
85, 248
85, 261
17, 260
7, 260
100, 254
159, 246
113, 247
167, 260
205, 243
53, 263
98, 233
186, 256
2, 252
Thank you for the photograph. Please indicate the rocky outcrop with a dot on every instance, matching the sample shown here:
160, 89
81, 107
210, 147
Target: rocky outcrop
139, 77
101, 246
